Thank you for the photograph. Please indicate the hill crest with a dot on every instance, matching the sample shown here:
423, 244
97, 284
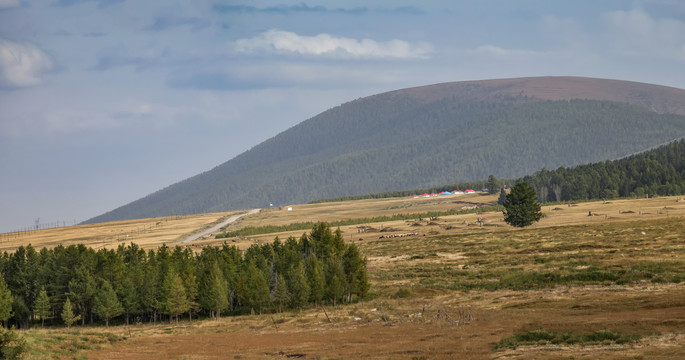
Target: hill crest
658, 98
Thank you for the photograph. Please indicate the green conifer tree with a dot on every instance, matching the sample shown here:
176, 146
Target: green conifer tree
281, 295
107, 305
213, 290
298, 286
253, 288
129, 298
491, 184
68, 314
354, 266
5, 301
521, 207
502, 196
12, 344
42, 307
336, 284
176, 298
82, 288
316, 280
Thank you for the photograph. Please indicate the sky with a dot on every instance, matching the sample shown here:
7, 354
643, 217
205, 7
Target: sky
105, 101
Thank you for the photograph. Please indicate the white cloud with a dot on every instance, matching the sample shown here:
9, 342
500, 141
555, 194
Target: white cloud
501, 52
280, 41
6, 4
21, 64
635, 32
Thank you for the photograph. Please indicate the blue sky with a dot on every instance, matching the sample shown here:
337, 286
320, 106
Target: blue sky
105, 101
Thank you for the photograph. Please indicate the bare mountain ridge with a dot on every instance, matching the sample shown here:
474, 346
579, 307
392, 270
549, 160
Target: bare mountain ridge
430, 136
657, 98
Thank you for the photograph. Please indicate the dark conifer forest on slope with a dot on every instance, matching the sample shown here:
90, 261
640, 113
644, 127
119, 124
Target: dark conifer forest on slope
658, 171
424, 138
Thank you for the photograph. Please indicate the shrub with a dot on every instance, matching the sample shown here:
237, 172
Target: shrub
402, 293
12, 345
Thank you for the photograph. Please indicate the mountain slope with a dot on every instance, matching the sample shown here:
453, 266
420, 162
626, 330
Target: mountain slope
659, 171
432, 135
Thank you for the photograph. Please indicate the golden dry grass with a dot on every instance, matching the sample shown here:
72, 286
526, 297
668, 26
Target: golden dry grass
554, 215
153, 232
456, 289
147, 233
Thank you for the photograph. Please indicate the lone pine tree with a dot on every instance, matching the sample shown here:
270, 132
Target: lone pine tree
521, 208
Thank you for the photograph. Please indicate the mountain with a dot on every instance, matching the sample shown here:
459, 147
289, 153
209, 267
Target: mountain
432, 135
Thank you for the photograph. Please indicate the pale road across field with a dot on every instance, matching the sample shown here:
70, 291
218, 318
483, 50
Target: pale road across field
219, 225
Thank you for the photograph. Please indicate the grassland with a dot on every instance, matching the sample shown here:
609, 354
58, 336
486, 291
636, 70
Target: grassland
608, 286
147, 233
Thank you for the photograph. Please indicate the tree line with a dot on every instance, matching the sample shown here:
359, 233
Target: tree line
77, 283
660, 171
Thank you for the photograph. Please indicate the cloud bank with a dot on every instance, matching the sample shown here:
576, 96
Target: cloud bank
284, 42
21, 64
636, 33
285, 9
101, 3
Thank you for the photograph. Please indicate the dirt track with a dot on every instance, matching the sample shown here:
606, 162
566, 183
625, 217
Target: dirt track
218, 226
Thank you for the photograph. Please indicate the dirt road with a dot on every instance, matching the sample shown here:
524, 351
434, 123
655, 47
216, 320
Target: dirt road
218, 226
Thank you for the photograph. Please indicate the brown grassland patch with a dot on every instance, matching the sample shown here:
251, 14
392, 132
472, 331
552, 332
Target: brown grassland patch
607, 286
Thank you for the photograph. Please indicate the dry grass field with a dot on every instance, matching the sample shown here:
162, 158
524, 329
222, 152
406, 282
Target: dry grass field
573, 286
148, 233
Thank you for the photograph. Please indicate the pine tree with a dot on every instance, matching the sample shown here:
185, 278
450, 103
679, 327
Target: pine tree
107, 305
352, 265
82, 289
335, 280
213, 290
68, 314
149, 293
315, 277
129, 298
192, 293
12, 344
298, 286
21, 311
253, 288
361, 279
5, 301
281, 296
521, 207
492, 184
502, 196
176, 299
355, 269
42, 307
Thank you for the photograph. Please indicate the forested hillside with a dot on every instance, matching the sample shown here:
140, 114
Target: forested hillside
430, 136
659, 171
